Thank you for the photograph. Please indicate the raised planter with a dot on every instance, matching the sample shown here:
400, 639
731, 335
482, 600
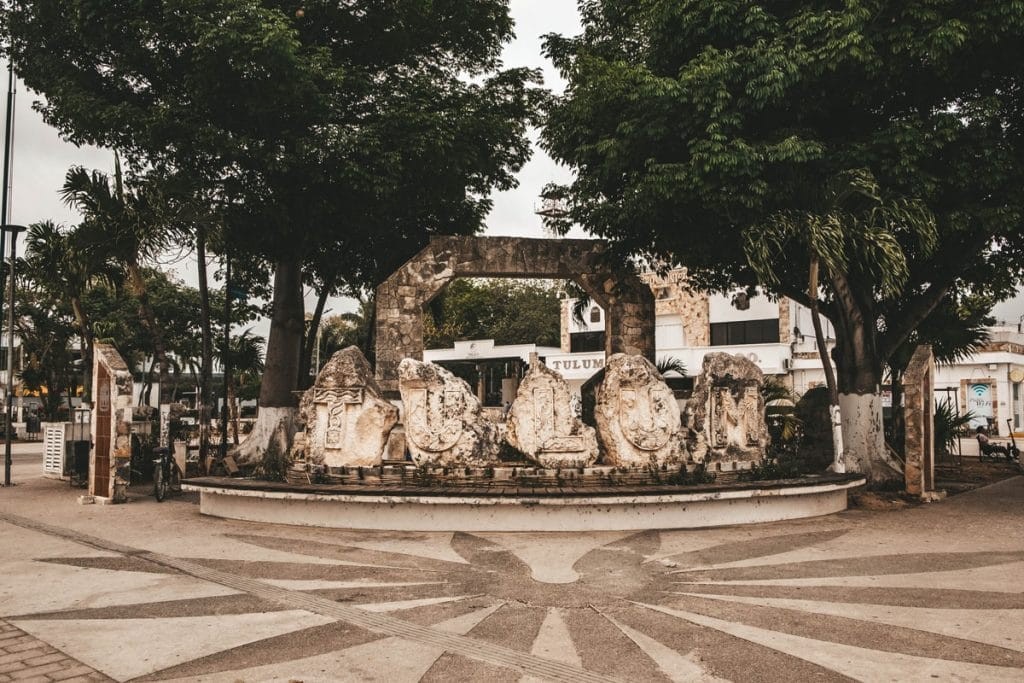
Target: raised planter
474, 508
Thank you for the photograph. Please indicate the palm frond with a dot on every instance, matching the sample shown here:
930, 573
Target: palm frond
668, 364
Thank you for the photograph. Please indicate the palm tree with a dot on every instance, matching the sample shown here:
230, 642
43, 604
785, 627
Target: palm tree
246, 360
350, 329
668, 364
956, 329
129, 225
60, 261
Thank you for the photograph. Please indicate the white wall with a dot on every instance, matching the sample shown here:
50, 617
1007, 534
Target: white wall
721, 310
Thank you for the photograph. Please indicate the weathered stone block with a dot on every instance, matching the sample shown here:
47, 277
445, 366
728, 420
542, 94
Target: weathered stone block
726, 411
636, 414
444, 422
347, 420
543, 425
395, 448
919, 416
111, 425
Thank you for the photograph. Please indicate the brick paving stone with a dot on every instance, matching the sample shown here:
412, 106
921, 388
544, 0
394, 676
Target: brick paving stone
15, 642
53, 656
14, 657
31, 671
30, 644
24, 658
78, 672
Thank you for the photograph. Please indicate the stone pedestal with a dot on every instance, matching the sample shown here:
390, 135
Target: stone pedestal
347, 420
636, 414
444, 422
543, 425
919, 417
726, 411
110, 458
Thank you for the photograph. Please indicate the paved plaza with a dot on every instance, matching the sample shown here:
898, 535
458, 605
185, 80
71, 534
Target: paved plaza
149, 591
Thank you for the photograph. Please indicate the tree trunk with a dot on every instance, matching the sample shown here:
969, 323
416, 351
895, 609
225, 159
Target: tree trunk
206, 353
859, 381
233, 409
138, 287
85, 350
834, 411
275, 423
306, 368
147, 385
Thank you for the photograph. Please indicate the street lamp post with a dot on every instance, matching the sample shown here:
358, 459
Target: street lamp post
226, 355
14, 230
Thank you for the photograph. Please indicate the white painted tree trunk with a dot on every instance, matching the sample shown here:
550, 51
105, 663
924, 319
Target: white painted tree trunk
274, 429
838, 449
864, 437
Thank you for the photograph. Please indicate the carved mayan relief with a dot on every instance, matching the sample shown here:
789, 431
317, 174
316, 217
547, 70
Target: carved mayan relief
726, 411
636, 415
542, 423
444, 423
347, 420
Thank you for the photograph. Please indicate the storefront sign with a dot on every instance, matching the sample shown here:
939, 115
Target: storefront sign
576, 365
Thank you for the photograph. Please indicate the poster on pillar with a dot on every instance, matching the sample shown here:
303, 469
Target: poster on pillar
980, 403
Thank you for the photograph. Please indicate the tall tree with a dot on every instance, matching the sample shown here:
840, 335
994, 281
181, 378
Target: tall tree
61, 262
47, 328
694, 123
127, 224
367, 126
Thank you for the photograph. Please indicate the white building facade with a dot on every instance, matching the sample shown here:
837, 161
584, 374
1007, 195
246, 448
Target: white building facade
777, 335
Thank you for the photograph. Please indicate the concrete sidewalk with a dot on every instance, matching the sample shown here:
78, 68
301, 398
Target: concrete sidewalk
149, 591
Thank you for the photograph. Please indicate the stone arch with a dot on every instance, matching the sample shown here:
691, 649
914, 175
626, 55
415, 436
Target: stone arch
626, 300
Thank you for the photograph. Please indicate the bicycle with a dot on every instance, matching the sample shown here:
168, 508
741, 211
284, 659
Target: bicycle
166, 474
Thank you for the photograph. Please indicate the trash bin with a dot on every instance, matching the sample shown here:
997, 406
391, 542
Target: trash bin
79, 463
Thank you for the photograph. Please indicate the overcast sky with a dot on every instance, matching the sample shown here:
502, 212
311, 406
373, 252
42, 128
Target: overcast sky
42, 159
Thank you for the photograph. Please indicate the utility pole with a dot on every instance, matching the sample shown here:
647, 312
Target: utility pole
5, 214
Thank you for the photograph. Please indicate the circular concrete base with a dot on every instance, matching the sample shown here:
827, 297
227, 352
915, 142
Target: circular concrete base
480, 512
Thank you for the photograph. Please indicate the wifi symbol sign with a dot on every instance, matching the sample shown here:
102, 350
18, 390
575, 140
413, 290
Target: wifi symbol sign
980, 390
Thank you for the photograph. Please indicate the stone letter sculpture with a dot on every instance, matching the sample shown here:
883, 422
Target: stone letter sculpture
347, 420
637, 415
444, 424
543, 425
726, 411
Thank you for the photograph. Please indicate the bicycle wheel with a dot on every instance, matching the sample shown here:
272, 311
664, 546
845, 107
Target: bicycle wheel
159, 485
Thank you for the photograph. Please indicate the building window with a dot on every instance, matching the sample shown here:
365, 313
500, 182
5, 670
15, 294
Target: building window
595, 315
3, 359
745, 332
580, 342
1016, 405
669, 332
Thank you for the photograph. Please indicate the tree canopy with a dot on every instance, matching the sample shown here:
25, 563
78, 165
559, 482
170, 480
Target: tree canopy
507, 311
334, 139
697, 127
355, 124
690, 123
